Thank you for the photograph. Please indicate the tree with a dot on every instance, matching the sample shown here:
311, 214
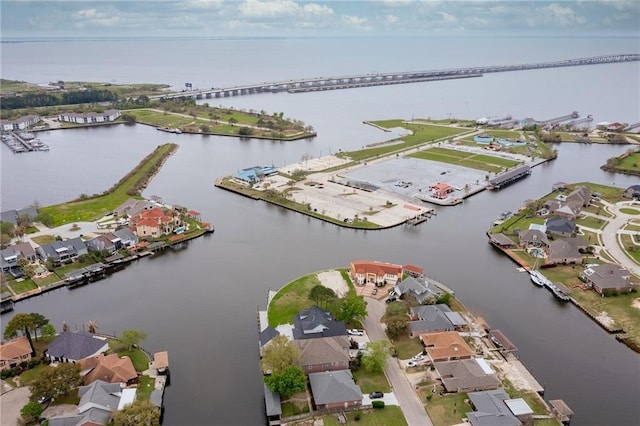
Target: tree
48, 330
39, 321
31, 412
132, 338
141, 413
279, 354
397, 327
352, 308
56, 381
92, 327
376, 357
291, 380
7, 228
19, 323
321, 294
233, 121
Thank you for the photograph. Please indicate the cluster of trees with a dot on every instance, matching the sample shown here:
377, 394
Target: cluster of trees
140, 413
142, 101
280, 360
56, 382
30, 100
348, 309
25, 324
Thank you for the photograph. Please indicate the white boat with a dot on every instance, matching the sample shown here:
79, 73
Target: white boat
537, 278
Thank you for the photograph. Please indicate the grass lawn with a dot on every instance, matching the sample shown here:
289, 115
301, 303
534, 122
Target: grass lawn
619, 308
63, 270
503, 133
160, 119
607, 193
407, 347
370, 382
291, 299
48, 280
628, 210
94, 208
519, 221
422, 133
139, 359
33, 374
475, 161
145, 387
70, 398
597, 209
388, 416
631, 163
296, 404
632, 249
532, 398
590, 222
22, 286
31, 230
43, 239
546, 422
445, 410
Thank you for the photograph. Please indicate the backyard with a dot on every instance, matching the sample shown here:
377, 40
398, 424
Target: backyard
388, 416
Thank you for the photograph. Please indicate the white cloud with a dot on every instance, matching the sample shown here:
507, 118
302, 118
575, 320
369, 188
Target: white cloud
356, 22
447, 18
93, 17
555, 15
313, 9
200, 4
268, 9
391, 19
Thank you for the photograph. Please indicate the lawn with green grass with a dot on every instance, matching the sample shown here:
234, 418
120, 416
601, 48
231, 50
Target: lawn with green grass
422, 133
626, 163
43, 239
370, 382
291, 299
22, 286
33, 374
46, 281
94, 208
139, 359
627, 210
632, 250
447, 409
390, 415
407, 347
531, 398
466, 159
591, 222
146, 385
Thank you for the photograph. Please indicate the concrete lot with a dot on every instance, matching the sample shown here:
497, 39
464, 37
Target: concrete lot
11, 403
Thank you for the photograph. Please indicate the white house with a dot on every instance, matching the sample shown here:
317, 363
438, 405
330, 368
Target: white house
19, 123
90, 117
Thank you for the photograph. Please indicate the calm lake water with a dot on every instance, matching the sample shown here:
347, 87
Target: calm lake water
200, 303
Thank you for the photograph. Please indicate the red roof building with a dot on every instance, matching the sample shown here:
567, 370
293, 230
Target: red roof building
155, 222
379, 273
441, 190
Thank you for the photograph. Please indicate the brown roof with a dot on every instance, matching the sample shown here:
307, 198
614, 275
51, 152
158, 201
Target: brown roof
110, 368
161, 359
446, 345
15, 348
323, 350
561, 407
379, 268
413, 268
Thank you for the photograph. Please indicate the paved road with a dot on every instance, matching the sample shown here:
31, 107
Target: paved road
610, 236
410, 404
11, 403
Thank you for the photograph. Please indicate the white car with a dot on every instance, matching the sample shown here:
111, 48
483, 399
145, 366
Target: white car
417, 358
412, 364
355, 332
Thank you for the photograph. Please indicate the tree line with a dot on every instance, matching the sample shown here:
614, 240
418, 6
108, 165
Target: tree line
31, 100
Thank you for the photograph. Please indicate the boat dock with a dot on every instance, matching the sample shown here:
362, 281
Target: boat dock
19, 143
509, 177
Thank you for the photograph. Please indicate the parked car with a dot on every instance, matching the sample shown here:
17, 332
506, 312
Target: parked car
412, 364
355, 332
390, 299
374, 291
376, 395
418, 357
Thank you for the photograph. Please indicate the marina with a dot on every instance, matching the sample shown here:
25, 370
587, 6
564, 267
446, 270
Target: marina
23, 142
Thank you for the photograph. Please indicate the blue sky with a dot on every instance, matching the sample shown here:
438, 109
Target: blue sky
283, 18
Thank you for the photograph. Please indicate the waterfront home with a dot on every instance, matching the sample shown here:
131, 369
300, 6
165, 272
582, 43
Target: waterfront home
607, 277
413, 271
434, 318
133, 207
73, 346
106, 242
62, 251
493, 408
155, 222
446, 346
467, 375
560, 226
110, 369
15, 352
9, 257
15, 216
128, 238
416, 287
533, 238
565, 251
272, 406
316, 322
334, 390
20, 123
90, 117
324, 354
378, 273
632, 192
98, 402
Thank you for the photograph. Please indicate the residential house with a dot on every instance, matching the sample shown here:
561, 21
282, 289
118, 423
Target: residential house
434, 318
607, 277
560, 226
19, 123
73, 346
62, 251
378, 273
98, 401
566, 250
324, 354
491, 410
155, 222
416, 287
110, 369
90, 117
533, 238
467, 375
413, 271
446, 346
501, 240
272, 406
315, 322
13, 216
133, 207
14, 352
632, 192
128, 238
335, 390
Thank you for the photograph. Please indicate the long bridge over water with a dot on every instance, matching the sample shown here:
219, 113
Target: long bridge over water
382, 79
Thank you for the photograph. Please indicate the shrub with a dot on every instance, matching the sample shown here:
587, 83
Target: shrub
357, 417
377, 404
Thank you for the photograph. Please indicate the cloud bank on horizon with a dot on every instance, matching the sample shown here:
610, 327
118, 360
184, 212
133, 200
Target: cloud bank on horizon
225, 18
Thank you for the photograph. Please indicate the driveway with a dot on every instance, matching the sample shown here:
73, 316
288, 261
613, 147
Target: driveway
410, 404
610, 236
11, 403
388, 398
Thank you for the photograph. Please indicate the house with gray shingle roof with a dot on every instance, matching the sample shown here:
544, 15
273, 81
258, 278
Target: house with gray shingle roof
632, 192
467, 375
533, 238
97, 403
563, 252
62, 251
560, 226
335, 389
607, 277
491, 409
324, 354
74, 346
416, 287
272, 406
12, 216
316, 322
430, 319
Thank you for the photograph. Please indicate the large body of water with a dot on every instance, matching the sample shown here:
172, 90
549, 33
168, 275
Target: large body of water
200, 303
